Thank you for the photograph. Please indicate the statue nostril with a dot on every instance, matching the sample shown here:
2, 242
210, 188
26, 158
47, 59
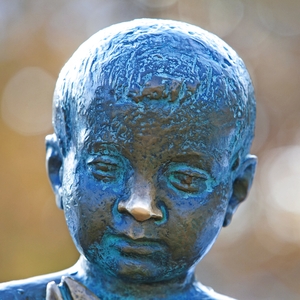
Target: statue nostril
121, 207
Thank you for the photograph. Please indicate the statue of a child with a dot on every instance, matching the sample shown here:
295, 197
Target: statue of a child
153, 124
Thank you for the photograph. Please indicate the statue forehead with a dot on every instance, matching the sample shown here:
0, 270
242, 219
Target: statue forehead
168, 126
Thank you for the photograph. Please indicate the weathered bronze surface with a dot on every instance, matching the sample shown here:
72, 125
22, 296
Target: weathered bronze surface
153, 123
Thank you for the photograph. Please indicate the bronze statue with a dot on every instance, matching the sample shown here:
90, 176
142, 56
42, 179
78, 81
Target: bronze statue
153, 123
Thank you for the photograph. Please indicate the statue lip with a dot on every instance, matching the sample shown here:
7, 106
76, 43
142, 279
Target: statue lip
140, 246
140, 249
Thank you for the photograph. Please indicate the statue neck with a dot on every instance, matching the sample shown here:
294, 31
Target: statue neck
112, 287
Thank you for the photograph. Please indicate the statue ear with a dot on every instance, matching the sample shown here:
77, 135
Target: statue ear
241, 186
54, 160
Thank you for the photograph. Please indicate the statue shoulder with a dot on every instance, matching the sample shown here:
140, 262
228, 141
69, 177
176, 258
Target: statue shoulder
33, 288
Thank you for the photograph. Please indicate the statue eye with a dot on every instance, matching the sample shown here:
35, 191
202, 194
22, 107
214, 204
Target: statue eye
105, 168
188, 180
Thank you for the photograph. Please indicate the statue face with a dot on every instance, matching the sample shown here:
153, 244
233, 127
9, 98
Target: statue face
145, 186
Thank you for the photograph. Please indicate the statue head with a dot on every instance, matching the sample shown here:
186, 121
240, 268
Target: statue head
153, 125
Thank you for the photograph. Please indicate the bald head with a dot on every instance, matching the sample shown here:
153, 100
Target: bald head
155, 63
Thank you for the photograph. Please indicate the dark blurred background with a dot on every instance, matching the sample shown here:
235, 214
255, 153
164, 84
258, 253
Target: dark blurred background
258, 255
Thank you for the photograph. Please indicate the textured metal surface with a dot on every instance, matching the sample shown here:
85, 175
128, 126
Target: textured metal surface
150, 156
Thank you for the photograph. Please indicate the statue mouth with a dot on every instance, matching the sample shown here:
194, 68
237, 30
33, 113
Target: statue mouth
138, 247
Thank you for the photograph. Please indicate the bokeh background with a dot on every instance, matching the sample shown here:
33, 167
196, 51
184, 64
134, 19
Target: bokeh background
258, 255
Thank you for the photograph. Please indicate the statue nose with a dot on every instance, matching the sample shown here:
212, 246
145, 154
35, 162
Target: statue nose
141, 203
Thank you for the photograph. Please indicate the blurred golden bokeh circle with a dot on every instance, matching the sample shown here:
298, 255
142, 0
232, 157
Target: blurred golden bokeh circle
26, 101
